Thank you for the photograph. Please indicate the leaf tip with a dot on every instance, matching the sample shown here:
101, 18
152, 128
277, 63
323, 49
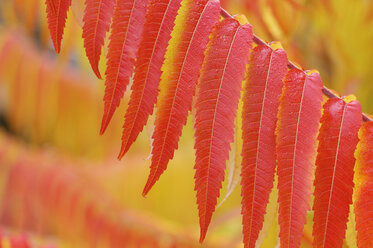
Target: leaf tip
144, 194
104, 124
202, 236
126, 144
123, 151
146, 189
149, 184
57, 48
97, 73
106, 117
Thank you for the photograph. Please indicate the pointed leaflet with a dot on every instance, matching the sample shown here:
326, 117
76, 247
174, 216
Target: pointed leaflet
335, 162
181, 68
157, 32
363, 201
97, 17
298, 122
56, 15
216, 105
126, 29
261, 101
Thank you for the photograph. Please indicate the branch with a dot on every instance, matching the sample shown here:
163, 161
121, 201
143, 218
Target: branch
327, 92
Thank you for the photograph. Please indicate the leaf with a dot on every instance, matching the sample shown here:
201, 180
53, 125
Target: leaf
261, 101
157, 32
56, 15
97, 18
234, 163
181, 68
126, 29
216, 105
299, 115
335, 162
363, 200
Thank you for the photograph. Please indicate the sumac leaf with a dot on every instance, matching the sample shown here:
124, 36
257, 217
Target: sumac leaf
298, 122
126, 29
97, 17
56, 15
363, 195
181, 68
158, 25
218, 93
262, 91
335, 162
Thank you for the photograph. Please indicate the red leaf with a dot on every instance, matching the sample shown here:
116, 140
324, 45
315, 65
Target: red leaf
299, 116
216, 105
261, 101
56, 15
335, 171
183, 62
97, 17
157, 32
364, 187
126, 29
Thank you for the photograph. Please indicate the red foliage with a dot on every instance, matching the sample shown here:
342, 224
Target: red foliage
174, 105
259, 117
335, 171
216, 105
299, 116
364, 193
157, 32
126, 29
97, 18
57, 14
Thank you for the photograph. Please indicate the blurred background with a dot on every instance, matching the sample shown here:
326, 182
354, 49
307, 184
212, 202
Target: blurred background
60, 182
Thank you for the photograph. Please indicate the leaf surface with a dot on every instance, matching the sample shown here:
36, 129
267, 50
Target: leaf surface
216, 105
126, 29
363, 201
158, 25
181, 68
97, 18
335, 162
261, 101
298, 122
56, 15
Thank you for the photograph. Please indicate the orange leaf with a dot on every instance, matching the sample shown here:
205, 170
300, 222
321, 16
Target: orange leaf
363, 201
56, 15
97, 17
216, 105
299, 116
261, 102
126, 29
335, 162
183, 62
157, 32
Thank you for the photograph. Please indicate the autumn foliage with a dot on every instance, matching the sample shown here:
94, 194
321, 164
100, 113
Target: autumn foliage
191, 57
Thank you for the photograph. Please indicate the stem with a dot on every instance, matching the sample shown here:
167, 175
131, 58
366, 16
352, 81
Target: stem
327, 92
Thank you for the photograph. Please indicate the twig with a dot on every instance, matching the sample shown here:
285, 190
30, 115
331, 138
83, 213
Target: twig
327, 92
